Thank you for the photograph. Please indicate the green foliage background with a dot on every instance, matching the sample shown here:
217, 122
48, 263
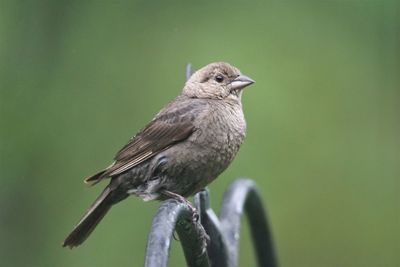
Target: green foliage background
78, 78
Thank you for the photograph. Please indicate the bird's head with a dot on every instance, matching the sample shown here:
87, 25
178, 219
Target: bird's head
217, 80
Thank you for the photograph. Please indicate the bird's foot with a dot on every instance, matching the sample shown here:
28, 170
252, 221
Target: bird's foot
193, 210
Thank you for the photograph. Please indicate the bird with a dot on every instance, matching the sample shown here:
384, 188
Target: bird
188, 144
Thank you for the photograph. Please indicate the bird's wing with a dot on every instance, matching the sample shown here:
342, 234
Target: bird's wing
156, 137
165, 130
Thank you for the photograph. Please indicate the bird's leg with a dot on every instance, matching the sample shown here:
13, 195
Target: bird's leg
183, 200
195, 216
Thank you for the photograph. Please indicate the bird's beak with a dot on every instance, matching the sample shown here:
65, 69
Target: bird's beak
241, 82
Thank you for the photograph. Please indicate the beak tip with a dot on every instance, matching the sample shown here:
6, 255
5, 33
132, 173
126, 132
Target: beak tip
245, 78
242, 81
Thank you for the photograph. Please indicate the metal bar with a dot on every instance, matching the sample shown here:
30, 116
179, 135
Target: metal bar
217, 248
170, 216
188, 71
243, 196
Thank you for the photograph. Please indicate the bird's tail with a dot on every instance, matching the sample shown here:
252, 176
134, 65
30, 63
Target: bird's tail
90, 219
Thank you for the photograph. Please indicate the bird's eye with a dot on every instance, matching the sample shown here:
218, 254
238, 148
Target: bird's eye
219, 78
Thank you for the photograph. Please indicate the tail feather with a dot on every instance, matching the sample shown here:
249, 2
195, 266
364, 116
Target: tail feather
94, 179
90, 219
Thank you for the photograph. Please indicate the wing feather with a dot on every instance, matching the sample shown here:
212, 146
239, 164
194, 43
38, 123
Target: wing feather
165, 130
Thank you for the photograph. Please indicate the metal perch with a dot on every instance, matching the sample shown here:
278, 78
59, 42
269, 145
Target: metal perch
223, 233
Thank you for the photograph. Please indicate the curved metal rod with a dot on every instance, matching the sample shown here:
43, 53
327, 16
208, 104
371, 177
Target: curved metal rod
173, 215
242, 196
188, 71
217, 246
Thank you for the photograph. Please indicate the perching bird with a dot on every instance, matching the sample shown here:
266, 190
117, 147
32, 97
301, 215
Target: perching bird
186, 146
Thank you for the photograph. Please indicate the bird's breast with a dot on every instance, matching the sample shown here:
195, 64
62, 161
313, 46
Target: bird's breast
219, 136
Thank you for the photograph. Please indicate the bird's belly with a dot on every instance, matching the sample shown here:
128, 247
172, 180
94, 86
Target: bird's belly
194, 166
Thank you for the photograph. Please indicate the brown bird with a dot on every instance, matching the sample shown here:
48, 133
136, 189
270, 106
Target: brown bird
187, 145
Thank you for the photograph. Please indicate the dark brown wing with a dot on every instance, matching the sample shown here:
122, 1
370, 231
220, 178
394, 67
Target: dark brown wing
166, 129
156, 137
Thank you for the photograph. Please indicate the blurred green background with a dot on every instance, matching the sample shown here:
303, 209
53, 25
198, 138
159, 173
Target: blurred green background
78, 78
